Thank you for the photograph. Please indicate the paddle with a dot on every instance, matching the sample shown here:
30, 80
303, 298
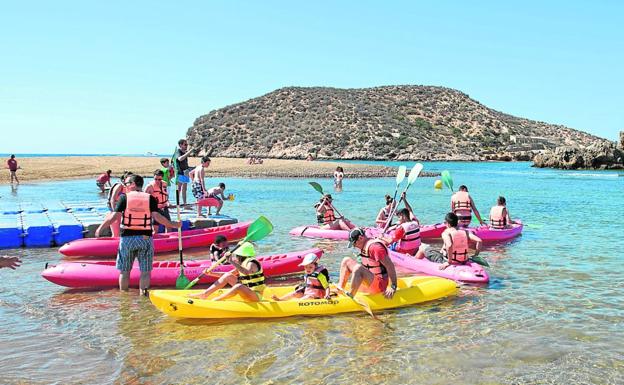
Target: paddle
319, 188
446, 178
399, 179
363, 304
479, 260
411, 178
258, 229
182, 280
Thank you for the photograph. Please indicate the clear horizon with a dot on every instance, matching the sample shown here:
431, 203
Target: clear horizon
130, 78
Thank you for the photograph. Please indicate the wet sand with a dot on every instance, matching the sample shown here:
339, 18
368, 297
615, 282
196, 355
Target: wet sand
80, 167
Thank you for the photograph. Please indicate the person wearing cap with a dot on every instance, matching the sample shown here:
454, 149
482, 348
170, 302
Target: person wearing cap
406, 236
375, 270
247, 280
326, 217
315, 281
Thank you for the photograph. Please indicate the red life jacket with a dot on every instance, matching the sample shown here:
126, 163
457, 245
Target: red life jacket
372, 265
314, 286
459, 247
137, 215
411, 238
159, 191
498, 217
327, 217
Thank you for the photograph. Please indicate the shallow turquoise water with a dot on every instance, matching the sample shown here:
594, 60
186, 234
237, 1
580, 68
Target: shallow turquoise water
552, 313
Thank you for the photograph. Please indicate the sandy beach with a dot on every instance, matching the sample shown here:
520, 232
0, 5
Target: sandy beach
77, 167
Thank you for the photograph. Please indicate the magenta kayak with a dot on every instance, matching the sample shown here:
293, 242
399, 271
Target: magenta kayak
313, 231
469, 273
485, 232
107, 247
102, 274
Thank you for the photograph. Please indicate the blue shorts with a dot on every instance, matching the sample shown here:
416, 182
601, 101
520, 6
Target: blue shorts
135, 246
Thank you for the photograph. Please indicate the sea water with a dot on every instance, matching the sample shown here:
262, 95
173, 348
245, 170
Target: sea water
552, 313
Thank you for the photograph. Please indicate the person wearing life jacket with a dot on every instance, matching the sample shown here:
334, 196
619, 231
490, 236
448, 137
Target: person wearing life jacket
158, 189
499, 215
375, 273
456, 242
385, 212
406, 235
135, 209
326, 216
463, 206
315, 281
103, 180
114, 194
247, 280
218, 248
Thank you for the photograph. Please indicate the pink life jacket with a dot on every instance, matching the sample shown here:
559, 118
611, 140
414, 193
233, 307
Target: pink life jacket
137, 215
498, 219
459, 249
411, 238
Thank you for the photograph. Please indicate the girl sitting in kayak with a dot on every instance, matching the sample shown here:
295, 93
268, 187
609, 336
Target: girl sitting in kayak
325, 215
499, 215
247, 280
315, 281
218, 248
385, 212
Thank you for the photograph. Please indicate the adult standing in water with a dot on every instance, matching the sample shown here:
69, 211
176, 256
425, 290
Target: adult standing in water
12, 166
463, 206
338, 177
104, 180
135, 209
182, 168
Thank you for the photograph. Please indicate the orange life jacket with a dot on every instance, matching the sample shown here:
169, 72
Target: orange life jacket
327, 217
314, 286
498, 219
372, 265
159, 191
137, 215
411, 238
459, 248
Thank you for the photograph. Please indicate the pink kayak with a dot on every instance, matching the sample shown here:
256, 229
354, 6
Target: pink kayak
469, 273
103, 274
107, 247
485, 232
313, 231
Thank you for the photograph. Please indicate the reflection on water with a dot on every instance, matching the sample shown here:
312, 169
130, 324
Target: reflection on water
552, 313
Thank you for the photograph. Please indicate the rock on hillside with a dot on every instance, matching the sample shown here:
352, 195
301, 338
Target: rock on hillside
393, 122
596, 156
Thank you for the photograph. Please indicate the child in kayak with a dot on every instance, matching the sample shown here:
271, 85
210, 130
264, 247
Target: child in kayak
385, 212
217, 193
326, 217
218, 248
499, 215
456, 242
247, 280
315, 281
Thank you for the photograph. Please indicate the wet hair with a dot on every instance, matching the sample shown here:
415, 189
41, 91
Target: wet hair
205, 159
163, 160
388, 199
109, 171
182, 141
451, 219
159, 173
463, 188
404, 212
222, 185
136, 179
220, 239
501, 200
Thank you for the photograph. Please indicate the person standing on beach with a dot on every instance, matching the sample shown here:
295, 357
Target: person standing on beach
13, 167
182, 168
463, 206
103, 180
136, 210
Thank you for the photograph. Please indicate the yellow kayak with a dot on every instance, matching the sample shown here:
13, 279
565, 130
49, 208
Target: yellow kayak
410, 290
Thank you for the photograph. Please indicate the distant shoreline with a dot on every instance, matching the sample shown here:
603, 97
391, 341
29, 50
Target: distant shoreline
54, 168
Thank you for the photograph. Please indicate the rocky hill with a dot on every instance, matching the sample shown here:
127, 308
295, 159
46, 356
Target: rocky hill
393, 122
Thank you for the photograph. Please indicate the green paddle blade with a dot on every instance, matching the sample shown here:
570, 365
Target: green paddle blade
446, 178
317, 187
258, 229
181, 281
479, 260
400, 175
414, 172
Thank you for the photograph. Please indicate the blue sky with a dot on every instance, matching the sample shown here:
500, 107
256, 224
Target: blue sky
132, 76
